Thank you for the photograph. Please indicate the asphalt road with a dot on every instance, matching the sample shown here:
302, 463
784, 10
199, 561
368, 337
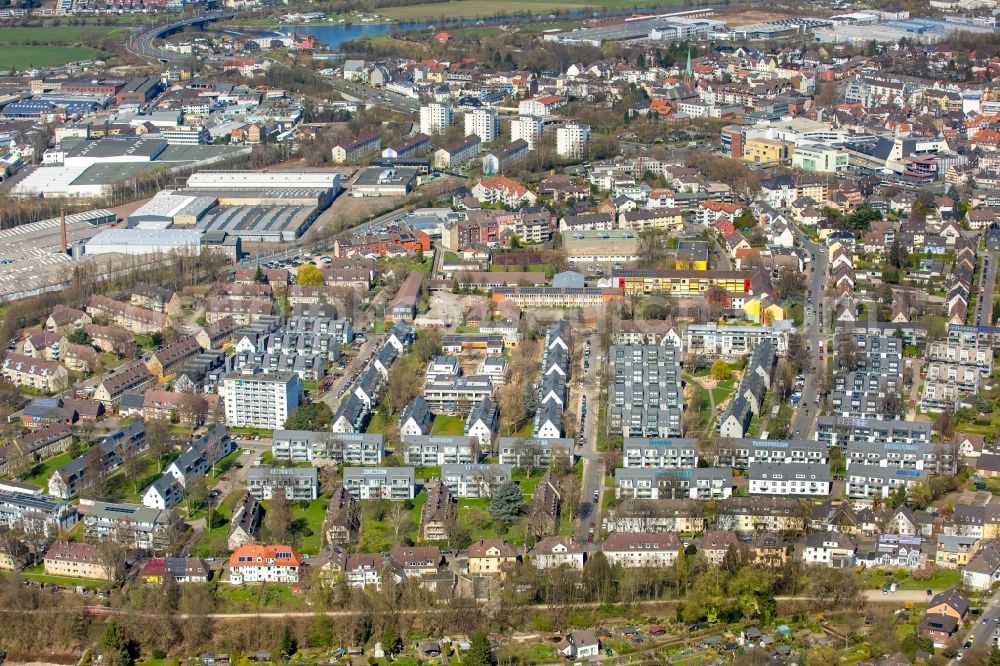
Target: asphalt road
984, 304
593, 466
982, 632
816, 317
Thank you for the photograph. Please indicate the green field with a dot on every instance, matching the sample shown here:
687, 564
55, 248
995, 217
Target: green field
21, 48
458, 9
27, 57
448, 425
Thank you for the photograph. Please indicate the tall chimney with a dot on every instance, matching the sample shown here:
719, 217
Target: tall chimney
62, 230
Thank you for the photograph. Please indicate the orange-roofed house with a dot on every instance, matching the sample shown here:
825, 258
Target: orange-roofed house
660, 106
254, 563
540, 106
709, 212
442, 37
986, 140
747, 257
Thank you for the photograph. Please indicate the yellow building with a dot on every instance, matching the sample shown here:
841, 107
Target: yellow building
759, 309
954, 552
764, 151
76, 560
681, 282
490, 557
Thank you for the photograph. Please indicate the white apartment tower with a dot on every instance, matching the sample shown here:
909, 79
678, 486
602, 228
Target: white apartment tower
254, 399
484, 123
436, 118
528, 128
572, 140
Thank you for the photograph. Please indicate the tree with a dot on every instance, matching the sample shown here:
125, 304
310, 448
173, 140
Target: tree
78, 337
720, 370
288, 644
505, 504
480, 651
994, 656
312, 416
259, 276
158, 440
399, 519
196, 494
309, 275
278, 519
115, 647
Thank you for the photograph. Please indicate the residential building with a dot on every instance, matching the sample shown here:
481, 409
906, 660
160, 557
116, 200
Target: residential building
491, 557
178, 569
435, 118
258, 400
802, 480
484, 123
474, 480
642, 549
264, 564
556, 551
431, 450
99, 461
297, 483
76, 560
338, 448
244, 526
47, 376
572, 141
130, 525
438, 513
393, 483
343, 518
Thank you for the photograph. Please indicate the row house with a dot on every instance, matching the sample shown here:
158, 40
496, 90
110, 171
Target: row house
135, 319
134, 378
653, 483
47, 376
99, 461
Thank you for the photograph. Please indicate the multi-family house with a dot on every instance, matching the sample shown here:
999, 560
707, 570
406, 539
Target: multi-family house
393, 483
830, 549
76, 560
556, 551
264, 564
492, 557
297, 483
343, 517
642, 549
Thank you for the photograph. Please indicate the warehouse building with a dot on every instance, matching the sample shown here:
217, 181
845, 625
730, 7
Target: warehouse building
145, 241
168, 208
384, 182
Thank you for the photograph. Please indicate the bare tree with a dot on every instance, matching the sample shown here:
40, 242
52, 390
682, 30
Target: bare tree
399, 519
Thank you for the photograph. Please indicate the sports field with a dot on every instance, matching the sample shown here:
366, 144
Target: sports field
459, 9
21, 48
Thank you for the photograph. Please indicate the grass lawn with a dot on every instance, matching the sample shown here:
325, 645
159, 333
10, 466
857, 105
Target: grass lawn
38, 573
43, 470
468, 329
720, 395
307, 525
945, 578
111, 361
379, 535
427, 472
377, 423
448, 425
213, 543
249, 597
226, 463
